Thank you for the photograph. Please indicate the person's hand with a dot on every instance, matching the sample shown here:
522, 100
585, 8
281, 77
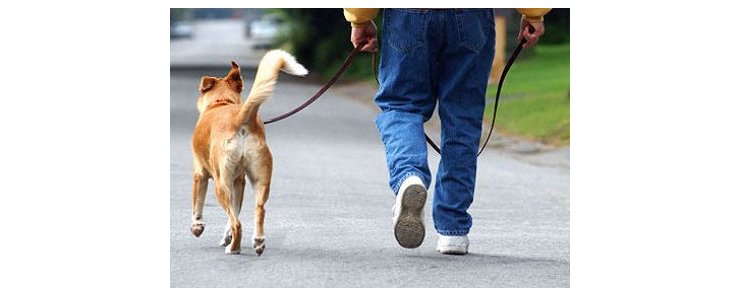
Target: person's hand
367, 34
531, 35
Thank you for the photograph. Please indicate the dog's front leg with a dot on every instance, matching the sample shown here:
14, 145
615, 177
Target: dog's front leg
200, 185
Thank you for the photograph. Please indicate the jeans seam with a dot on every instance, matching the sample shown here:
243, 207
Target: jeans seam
453, 232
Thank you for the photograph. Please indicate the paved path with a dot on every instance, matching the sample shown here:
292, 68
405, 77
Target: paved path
213, 42
328, 221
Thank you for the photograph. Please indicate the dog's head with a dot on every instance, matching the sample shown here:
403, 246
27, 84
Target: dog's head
228, 88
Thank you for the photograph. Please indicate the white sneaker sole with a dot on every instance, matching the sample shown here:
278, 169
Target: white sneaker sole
409, 227
449, 250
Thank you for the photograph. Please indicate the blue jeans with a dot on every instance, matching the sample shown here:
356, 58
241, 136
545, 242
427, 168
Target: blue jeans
431, 56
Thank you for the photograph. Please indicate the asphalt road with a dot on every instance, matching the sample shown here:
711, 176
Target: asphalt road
328, 219
213, 42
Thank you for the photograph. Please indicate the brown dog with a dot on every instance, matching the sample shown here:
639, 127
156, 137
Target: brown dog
229, 143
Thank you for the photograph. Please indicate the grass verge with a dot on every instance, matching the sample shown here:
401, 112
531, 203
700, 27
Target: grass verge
535, 101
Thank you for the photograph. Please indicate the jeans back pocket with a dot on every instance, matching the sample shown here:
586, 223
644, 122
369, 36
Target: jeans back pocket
404, 30
474, 27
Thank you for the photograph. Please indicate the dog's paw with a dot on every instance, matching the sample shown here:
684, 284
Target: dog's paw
226, 240
197, 229
230, 251
259, 246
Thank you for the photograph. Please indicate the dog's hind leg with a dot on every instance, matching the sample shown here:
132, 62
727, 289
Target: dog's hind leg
237, 200
261, 193
226, 239
260, 175
200, 185
224, 195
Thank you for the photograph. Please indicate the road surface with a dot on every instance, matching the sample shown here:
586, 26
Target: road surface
328, 220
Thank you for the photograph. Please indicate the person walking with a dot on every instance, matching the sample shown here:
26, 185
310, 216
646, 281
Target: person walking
433, 57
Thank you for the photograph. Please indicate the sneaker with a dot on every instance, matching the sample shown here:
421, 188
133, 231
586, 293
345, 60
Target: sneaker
408, 226
453, 245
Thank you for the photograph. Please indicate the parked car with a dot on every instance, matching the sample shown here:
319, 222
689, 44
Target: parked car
265, 30
181, 29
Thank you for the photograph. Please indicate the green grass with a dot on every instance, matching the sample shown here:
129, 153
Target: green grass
535, 101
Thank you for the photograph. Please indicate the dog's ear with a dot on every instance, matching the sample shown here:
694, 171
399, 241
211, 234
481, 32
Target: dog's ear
206, 83
234, 78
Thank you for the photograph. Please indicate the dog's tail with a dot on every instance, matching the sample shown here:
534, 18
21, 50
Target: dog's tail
264, 82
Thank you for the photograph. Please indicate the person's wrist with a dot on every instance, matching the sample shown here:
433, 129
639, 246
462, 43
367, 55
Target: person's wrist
363, 24
534, 19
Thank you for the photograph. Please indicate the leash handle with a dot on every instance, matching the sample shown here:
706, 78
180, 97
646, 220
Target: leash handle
530, 28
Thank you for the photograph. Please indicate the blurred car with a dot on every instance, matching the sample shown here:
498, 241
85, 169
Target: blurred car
265, 30
181, 29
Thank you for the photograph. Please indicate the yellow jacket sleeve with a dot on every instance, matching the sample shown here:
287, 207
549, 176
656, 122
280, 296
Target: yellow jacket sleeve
360, 17
534, 15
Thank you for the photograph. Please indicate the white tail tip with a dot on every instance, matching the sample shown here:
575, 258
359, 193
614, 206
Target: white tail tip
291, 66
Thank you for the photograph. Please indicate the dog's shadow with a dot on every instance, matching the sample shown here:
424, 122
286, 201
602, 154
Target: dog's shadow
304, 254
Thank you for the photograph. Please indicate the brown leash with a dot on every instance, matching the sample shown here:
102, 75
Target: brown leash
323, 89
356, 50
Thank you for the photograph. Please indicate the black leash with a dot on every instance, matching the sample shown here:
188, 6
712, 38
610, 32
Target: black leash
510, 62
